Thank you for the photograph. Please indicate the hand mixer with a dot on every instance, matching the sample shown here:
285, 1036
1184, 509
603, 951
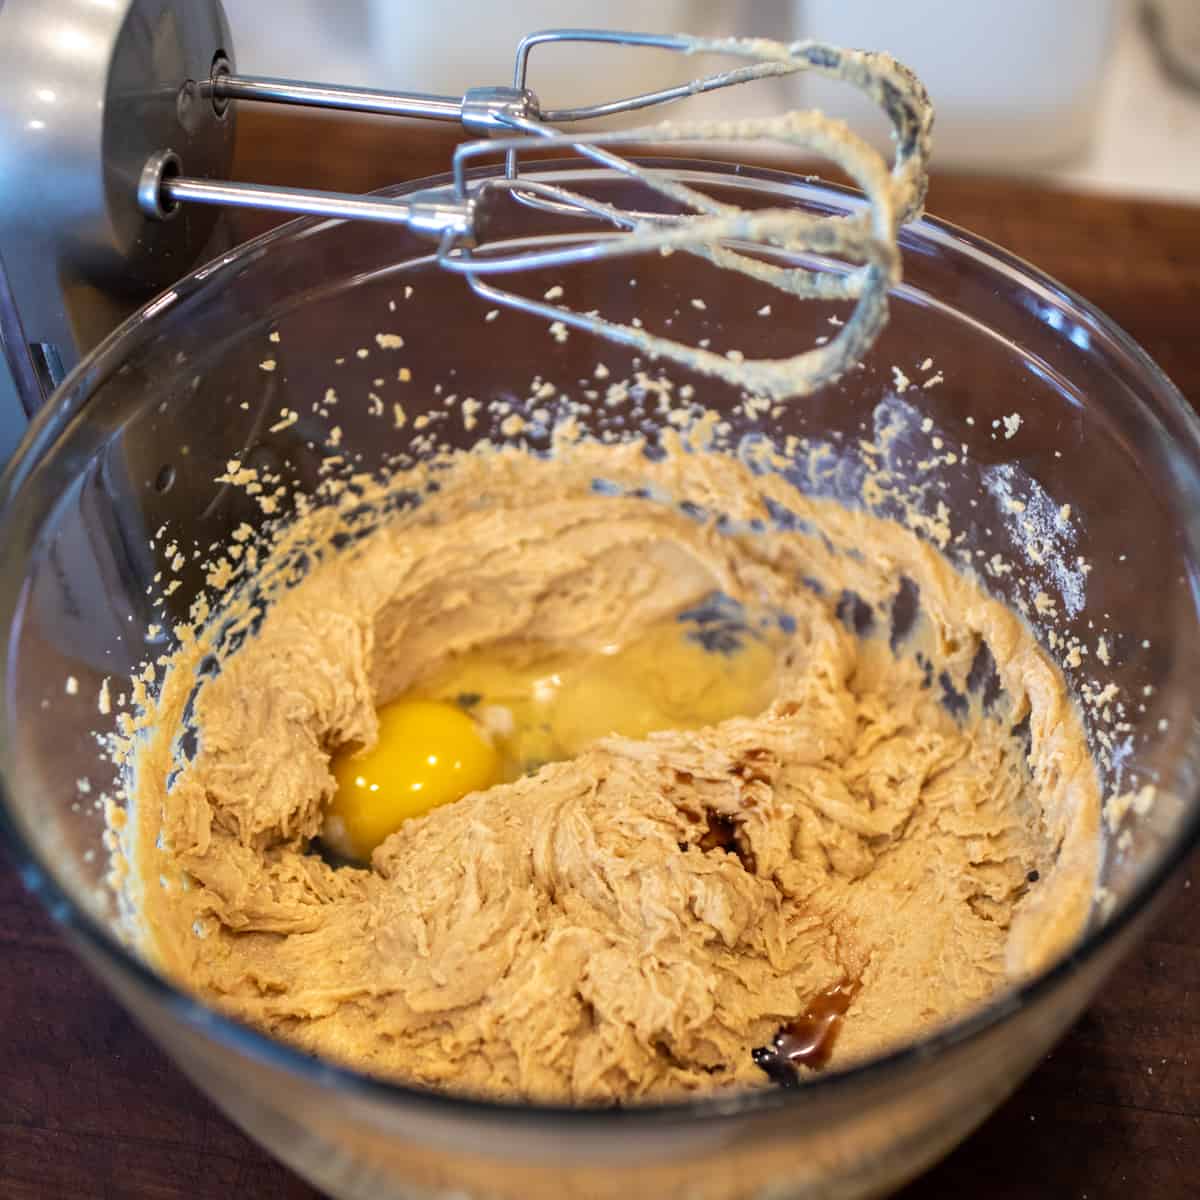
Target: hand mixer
117, 138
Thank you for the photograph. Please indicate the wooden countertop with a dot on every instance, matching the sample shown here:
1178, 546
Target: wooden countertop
90, 1108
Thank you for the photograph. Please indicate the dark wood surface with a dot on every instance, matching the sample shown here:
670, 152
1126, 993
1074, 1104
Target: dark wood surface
90, 1108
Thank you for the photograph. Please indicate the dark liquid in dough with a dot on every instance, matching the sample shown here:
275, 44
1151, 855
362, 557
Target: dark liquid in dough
808, 1040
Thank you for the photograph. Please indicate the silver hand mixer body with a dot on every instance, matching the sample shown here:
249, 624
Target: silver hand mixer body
118, 143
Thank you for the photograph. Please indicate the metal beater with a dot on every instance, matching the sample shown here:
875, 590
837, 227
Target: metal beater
118, 132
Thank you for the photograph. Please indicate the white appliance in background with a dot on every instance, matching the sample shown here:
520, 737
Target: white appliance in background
301, 39
1176, 27
445, 48
463, 43
1016, 82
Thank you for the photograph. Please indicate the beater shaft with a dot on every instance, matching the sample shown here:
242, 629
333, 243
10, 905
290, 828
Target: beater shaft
429, 213
325, 95
480, 110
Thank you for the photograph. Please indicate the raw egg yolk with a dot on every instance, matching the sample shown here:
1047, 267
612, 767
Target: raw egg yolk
429, 753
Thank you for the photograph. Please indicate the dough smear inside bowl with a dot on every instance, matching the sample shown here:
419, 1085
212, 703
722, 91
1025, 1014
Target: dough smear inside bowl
899, 823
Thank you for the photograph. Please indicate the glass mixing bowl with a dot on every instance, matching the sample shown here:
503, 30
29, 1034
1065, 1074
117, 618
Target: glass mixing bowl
138, 434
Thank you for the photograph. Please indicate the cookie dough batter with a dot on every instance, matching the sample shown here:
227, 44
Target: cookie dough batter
911, 819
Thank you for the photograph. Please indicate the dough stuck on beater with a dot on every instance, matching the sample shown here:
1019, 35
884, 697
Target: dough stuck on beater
722, 233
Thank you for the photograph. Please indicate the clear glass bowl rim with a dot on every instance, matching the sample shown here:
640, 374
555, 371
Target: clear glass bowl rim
72, 397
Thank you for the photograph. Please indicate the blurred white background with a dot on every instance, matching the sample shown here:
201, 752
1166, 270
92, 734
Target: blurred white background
1070, 88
